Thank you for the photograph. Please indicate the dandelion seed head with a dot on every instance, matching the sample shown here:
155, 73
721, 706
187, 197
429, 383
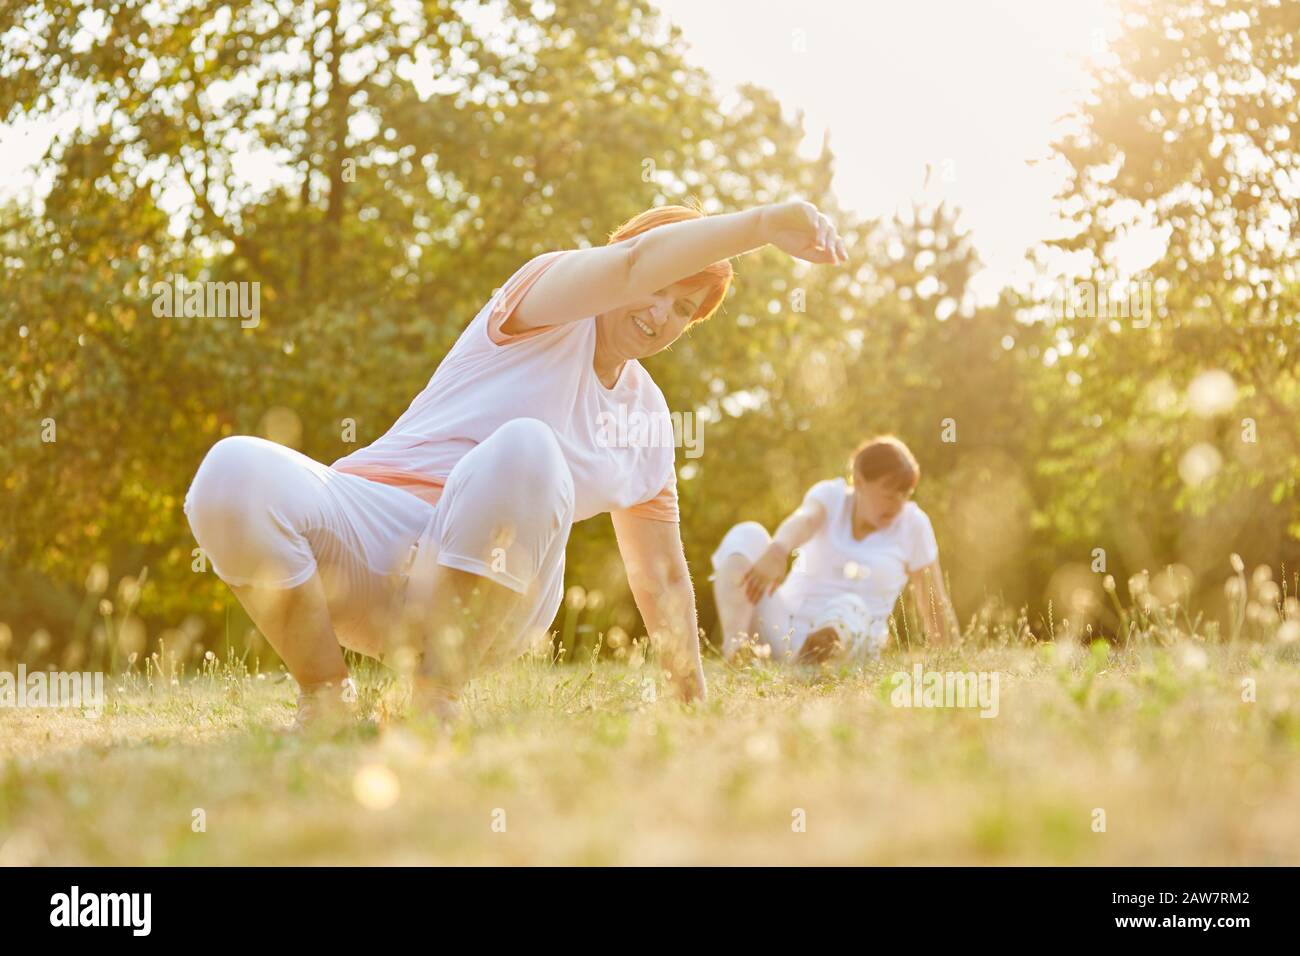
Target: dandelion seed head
1137, 584
128, 590
576, 598
97, 579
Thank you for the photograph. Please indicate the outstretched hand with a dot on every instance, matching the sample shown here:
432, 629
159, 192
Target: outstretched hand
799, 228
766, 574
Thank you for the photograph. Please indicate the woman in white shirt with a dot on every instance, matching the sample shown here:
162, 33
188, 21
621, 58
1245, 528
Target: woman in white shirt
858, 546
446, 536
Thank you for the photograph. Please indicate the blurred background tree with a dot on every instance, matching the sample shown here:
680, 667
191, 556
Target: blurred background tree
1180, 439
380, 168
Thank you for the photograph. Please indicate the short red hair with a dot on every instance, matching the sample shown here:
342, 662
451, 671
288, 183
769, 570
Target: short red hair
716, 277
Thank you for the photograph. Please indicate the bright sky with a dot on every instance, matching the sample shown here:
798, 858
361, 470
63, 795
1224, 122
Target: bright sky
974, 87
971, 86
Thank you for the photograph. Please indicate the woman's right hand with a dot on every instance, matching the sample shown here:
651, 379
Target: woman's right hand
798, 228
767, 573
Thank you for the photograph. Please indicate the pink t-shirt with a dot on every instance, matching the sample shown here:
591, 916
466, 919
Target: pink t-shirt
490, 377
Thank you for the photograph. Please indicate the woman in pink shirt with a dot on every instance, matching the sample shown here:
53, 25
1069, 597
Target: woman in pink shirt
447, 534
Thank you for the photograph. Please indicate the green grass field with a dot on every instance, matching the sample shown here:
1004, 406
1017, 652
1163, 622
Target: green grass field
571, 765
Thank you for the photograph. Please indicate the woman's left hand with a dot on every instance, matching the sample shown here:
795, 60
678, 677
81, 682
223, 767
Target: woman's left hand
800, 229
767, 573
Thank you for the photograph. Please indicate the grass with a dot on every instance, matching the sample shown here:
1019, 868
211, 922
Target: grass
572, 765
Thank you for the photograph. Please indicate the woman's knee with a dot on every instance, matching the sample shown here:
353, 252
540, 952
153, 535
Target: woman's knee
241, 505
220, 489
527, 453
507, 501
748, 540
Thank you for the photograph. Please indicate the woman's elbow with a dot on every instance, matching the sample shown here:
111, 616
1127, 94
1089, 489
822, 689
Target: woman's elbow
628, 270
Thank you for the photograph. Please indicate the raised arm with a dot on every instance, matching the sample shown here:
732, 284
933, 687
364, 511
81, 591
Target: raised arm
586, 282
661, 586
767, 573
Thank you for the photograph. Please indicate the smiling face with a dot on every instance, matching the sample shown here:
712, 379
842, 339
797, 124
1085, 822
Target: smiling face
642, 328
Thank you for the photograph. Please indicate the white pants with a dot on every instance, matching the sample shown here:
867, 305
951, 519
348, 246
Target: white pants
266, 515
780, 619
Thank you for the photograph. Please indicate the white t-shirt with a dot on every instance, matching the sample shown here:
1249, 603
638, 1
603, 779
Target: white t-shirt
874, 569
490, 377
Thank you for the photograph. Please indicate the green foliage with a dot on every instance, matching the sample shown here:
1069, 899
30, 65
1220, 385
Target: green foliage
1190, 129
401, 206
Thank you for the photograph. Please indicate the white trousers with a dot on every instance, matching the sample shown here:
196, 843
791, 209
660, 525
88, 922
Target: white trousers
781, 620
266, 515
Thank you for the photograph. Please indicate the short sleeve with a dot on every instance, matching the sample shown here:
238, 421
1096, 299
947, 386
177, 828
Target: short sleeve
922, 546
508, 297
663, 506
829, 494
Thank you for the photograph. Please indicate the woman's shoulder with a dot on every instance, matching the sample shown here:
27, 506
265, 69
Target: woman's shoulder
830, 492
919, 542
500, 306
917, 526
915, 514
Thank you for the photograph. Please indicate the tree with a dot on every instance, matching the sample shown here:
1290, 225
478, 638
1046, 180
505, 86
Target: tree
1190, 132
392, 210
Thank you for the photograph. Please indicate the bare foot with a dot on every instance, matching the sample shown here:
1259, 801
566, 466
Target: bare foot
326, 708
433, 701
819, 647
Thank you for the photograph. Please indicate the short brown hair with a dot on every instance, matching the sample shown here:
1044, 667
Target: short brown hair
716, 277
885, 456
